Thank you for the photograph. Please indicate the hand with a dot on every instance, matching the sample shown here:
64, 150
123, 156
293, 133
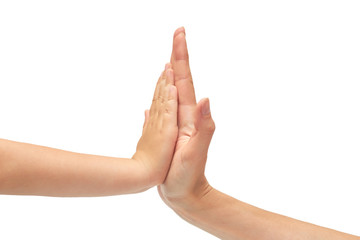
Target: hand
186, 180
156, 145
187, 191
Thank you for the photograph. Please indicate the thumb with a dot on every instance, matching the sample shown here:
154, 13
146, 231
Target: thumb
203, 131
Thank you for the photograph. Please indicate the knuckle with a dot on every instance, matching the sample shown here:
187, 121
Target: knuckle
158, 99
171, 103
185, 78
169, 110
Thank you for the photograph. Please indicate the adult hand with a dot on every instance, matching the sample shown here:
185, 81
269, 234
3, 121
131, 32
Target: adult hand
187, 191
186, 180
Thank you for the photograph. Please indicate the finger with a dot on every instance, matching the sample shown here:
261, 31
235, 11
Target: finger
170, 77
160, 80
171, 107
202, 134
182, 73
167, 66
158, 93
146, 118
164, 95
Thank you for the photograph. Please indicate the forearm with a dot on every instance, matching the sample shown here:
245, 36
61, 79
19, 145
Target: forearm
229, 218
27, 169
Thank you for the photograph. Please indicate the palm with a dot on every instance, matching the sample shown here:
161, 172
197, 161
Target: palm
174, 184
176, 172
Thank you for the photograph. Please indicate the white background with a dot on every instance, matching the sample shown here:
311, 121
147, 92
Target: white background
283, 78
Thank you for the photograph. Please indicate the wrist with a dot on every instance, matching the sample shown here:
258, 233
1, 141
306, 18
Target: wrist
150, 175
193, 203
197, 211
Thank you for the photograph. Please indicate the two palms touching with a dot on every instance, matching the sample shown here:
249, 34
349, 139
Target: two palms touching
185, 179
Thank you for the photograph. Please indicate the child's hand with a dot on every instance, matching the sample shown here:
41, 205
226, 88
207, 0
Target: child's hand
156, 146
27, 169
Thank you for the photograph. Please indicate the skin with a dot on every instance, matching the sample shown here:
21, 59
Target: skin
27, 169
174, 118
189, 194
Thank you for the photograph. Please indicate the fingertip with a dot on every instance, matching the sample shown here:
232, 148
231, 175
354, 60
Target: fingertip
205, 107
173, 92
172, 95
170, 76
146, 113
180, 51
179, 30
204, 121
168, 66
169, 72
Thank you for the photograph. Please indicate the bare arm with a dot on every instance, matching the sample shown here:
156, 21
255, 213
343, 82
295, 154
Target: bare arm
36, 170
229, 218
27, 169
187, 191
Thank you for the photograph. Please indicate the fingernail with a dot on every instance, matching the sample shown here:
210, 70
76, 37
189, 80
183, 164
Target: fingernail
179, 31
168, 73
183, 30
172, 90
205, 109
167, 66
